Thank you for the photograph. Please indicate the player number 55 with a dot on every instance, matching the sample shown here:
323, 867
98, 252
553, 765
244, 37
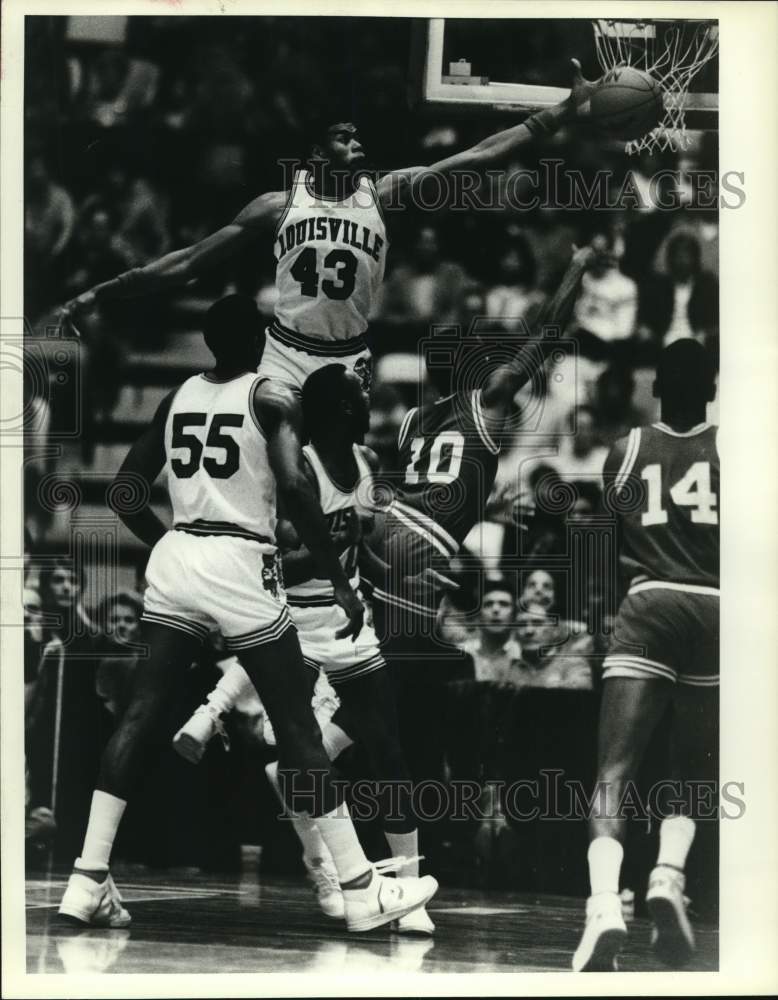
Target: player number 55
216, 438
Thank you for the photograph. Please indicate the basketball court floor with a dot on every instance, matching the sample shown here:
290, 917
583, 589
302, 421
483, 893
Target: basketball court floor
191, 923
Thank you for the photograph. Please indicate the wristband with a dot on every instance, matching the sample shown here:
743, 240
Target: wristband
542, 123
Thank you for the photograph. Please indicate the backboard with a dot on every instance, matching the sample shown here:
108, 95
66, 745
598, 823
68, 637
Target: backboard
522, 64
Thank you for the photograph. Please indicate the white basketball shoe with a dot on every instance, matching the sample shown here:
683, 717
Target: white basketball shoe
194, 736
324, 878
386, 899
96, 903
604, 935
672, 937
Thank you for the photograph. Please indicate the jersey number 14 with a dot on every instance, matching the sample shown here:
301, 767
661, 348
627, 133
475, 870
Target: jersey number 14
692, 490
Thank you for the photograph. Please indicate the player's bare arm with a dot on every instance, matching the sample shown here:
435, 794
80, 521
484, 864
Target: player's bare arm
299, 564
278, 413
504, 382
400, 186
180, 267
143, 463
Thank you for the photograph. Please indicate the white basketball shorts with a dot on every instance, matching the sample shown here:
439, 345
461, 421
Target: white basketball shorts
341, 659
197, 583
290, 357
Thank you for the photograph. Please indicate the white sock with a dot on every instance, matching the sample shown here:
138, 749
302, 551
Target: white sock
335, 740
340, 836
407, 844
605, 857
105, 815
676, 834
234, 685
304, 826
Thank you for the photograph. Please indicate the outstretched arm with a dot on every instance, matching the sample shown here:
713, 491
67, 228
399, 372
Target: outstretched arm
182, 266
144, 462
278, 414
505, 381
400, 186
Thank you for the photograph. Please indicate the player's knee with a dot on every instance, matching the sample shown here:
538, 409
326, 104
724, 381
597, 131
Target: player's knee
143, 715
299, 740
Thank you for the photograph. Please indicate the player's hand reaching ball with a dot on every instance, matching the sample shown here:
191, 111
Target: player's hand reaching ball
355, 611
582, 91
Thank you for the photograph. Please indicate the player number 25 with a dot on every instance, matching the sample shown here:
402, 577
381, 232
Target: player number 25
692, 490
216, 438
344, 263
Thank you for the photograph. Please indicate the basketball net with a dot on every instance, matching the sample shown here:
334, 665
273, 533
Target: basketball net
672, 53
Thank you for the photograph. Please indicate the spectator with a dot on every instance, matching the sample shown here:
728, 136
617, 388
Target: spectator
120, 618
72, 726
118, 86
551, 656
515, 297
39, 824
61, 590
428, 288
120, 615
97, 254
49, 213
682, 303
606, 310
539, 589
580, 456
493, 648
49, 220
140, 225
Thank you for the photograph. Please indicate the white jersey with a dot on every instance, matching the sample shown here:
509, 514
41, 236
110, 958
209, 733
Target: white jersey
219, 477
336, 503
330, 261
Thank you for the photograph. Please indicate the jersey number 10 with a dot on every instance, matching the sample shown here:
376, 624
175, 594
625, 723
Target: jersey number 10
692, 490
216, 438
446, 451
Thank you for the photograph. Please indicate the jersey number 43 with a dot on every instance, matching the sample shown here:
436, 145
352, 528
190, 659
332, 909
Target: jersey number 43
344, 264
218, 437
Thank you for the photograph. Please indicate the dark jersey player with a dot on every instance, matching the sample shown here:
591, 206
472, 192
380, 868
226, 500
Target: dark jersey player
663, 482
448, 455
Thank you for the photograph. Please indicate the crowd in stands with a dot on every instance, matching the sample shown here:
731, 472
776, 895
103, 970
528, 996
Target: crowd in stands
144, 142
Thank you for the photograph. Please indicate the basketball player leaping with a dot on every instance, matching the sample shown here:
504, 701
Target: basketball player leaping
664, 650
225, 441
330, 241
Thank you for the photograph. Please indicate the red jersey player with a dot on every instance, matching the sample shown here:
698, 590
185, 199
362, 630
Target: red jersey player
663, 484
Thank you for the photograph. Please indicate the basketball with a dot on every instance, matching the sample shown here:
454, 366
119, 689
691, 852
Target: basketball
629, 106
